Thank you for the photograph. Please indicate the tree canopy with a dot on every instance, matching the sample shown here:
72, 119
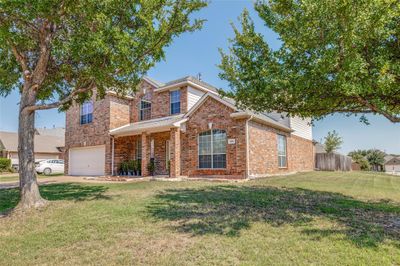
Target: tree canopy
66, 48
336, 56
59, 52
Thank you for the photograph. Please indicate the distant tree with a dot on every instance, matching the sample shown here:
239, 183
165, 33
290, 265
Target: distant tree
364, 164
362, 153
332, 142
56, 53
376, 159
336, 56
359, 158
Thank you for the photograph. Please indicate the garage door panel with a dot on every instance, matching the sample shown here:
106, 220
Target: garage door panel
87, 160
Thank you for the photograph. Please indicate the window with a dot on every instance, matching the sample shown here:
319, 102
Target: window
152, 149
138, 151
167, 151
212, 149
282, 160
175, 99
86, 112
145, 110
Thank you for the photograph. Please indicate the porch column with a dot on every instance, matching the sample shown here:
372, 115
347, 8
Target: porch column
145, 154
175, 146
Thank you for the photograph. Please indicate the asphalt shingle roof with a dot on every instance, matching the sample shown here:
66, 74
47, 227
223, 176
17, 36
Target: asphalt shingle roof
43, 143
146, 125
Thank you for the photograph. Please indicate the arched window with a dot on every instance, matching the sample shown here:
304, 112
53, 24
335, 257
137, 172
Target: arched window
212, 149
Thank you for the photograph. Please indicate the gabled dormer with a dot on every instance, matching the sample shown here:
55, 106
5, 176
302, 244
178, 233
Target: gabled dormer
155, 99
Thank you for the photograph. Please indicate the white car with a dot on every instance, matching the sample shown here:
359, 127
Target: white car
52, 166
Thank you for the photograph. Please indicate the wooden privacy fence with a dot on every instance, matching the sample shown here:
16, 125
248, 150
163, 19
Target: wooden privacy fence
332, 162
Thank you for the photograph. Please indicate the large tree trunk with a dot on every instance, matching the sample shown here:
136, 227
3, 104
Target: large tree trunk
29, 189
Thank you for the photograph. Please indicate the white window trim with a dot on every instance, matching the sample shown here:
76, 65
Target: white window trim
140, 109
285, 138
167, 151
152, 153
170, 101
80, 112
138, 152
212, 153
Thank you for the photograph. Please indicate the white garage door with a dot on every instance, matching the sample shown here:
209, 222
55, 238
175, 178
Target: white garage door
87, 160
392, 168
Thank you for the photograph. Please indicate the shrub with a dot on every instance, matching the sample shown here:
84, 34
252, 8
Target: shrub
139, 165
151, 167
5, 164
132, 165
364, 164
124, 167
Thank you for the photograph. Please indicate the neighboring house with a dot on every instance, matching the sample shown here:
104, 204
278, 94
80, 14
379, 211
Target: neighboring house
186, 123
50, 146
53, 131
392, 164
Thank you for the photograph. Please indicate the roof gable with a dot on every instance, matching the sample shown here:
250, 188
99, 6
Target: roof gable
204, 98
189, 81
43, 143
393, 161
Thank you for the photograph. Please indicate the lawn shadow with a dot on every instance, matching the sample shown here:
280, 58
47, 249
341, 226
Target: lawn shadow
9, 198
226, 210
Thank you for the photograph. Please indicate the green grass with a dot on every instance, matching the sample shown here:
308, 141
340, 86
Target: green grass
310, 218
16, 177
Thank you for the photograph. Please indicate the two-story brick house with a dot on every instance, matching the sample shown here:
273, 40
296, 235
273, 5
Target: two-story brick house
186, 123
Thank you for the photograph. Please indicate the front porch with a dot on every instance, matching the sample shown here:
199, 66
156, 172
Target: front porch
148, 148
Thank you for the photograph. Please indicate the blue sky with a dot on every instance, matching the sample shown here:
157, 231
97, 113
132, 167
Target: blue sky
197, 52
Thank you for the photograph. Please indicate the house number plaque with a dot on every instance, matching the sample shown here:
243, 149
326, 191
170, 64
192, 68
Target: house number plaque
231, 141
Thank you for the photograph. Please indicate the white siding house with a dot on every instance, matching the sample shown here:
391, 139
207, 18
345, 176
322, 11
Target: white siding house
302, 127
194, 96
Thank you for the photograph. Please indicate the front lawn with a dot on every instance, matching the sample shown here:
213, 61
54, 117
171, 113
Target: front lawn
311, 218
9, 178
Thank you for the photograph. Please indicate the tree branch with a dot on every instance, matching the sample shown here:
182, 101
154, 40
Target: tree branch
45, 35
20, 59
390, 117
68, 98
171, 26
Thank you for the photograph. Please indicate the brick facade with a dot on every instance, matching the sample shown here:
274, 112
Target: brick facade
160, 150
113, 111
263, 151
96, 133
92, 134
162, 101
212, 111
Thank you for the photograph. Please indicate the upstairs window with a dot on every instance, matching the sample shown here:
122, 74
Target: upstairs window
145, 110
212, 149
175, 99
282, 157
86, 112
